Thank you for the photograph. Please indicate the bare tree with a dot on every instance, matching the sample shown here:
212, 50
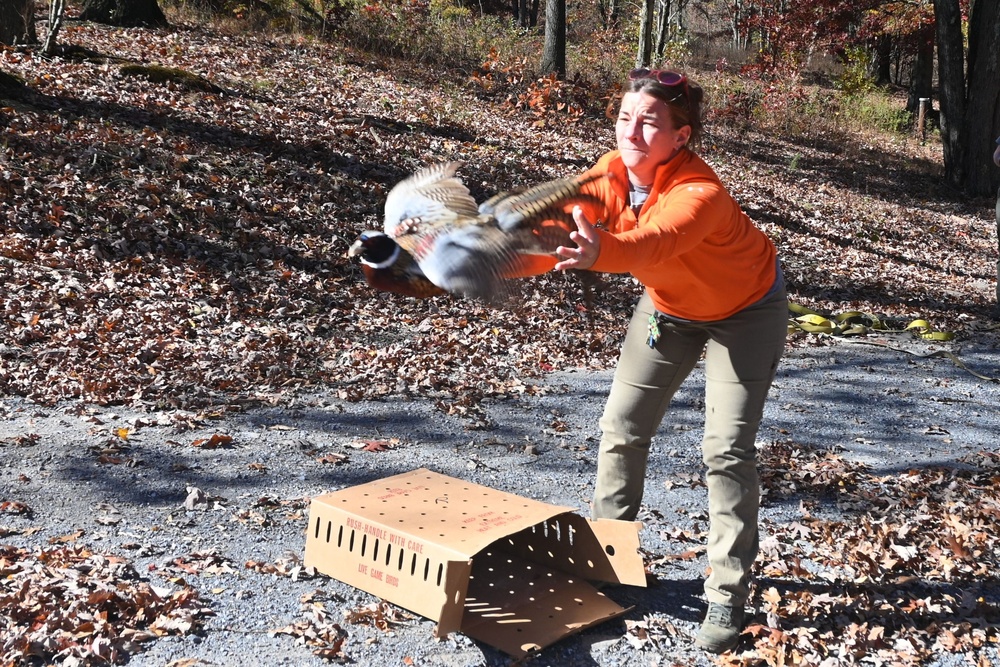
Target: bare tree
741, 36
981, 123
921, 73
669, 14
527, 13
57, 9
951, 74
663, 17
17, 22
554, 54
644, 55
608, 10
970, 115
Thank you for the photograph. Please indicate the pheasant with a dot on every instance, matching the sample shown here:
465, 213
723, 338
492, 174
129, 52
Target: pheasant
437, 240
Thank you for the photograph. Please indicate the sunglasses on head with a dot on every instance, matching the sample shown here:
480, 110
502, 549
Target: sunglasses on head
665, 77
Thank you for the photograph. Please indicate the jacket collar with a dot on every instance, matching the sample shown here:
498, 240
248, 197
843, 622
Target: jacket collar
661, 182
664, 173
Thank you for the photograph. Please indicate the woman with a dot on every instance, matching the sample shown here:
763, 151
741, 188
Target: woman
713, 285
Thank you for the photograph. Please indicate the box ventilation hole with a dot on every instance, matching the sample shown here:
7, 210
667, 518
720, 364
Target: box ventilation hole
364, 544
375, 551
340, 537
388, 554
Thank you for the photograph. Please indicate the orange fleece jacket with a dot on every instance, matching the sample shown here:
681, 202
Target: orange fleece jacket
699, 256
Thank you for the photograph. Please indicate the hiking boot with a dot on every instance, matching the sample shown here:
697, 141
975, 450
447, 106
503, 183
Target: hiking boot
721, 629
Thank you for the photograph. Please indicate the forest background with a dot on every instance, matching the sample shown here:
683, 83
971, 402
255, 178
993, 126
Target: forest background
177, 197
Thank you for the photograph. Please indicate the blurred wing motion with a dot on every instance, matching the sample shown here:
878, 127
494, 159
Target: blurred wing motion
436, 238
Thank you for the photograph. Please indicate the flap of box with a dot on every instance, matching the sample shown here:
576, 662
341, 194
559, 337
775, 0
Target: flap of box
602, 550
521, 607
619, 541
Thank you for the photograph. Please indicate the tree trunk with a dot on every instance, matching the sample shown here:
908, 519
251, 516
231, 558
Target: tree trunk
554, 55
951, 77
882, 61
922, 74
124, 13
17, 22
662, 28
736, 25
982, 113
645, 53
57, 9
609, 13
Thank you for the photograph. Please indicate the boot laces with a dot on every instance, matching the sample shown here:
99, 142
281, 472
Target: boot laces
720, 615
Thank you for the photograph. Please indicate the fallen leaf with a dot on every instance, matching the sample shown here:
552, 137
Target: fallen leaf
217, 440
66, 539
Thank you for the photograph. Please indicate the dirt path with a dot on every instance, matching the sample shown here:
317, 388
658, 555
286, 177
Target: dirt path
192, 499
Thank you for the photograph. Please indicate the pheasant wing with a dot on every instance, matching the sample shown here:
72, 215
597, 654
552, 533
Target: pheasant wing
431, 195
524, 205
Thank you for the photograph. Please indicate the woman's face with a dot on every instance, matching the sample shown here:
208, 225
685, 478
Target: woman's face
646, 135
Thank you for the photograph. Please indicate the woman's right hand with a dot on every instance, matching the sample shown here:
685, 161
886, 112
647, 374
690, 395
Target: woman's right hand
588, 244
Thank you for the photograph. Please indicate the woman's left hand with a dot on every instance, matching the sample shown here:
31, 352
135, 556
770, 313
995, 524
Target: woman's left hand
588, 245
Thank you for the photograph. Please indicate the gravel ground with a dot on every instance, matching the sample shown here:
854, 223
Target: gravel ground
887, 408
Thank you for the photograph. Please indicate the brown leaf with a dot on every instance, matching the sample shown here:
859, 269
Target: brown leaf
14, 507
377, 445
66, 539
217, 440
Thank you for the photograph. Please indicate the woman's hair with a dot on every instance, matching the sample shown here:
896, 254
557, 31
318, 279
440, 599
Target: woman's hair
683, 99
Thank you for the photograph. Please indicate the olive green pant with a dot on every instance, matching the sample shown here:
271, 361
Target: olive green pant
741, 356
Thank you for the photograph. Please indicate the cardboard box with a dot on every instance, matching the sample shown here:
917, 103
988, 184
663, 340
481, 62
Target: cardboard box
506, 570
